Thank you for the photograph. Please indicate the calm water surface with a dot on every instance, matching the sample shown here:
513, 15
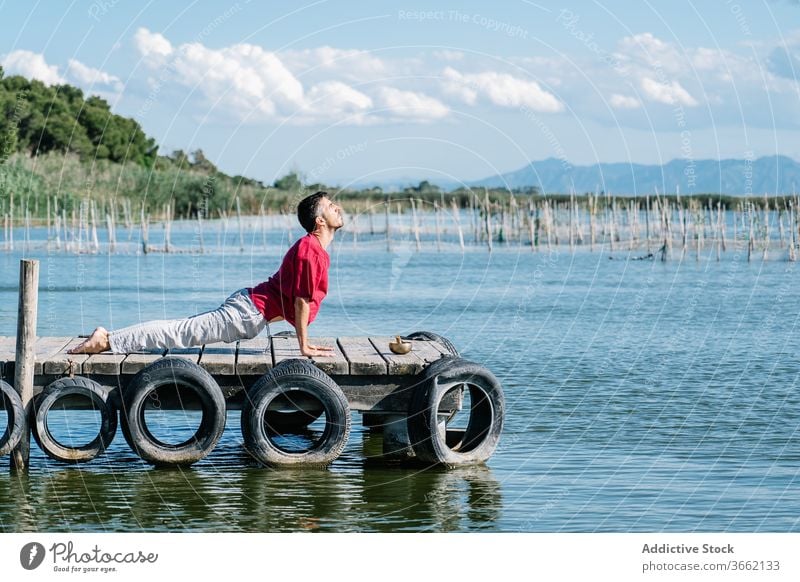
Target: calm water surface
641, 395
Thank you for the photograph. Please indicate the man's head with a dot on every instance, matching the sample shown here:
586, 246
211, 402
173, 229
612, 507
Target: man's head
318, 210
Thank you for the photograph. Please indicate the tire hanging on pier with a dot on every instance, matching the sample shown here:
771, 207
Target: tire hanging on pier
178, 373
101, 402
431, 441
430, 336
295, 381
15, 414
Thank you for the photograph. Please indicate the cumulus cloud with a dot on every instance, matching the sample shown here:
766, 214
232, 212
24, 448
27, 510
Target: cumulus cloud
411, 105
667, 93
31, 65
500, 89
151, 44
85, 75
349, 64
336, 99
255, 84
618, 101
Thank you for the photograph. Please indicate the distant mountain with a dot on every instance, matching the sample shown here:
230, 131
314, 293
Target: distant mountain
773, 175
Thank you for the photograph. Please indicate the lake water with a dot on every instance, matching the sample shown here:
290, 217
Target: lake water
641, 395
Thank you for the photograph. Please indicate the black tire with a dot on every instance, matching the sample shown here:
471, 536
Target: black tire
101, 402
478, 441
429, 335
180, 373
287, 377
16, 414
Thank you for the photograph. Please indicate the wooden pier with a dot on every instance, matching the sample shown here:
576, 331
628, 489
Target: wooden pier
386, 388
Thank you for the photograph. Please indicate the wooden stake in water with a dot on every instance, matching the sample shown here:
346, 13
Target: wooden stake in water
388, 226
458, 224
25, 358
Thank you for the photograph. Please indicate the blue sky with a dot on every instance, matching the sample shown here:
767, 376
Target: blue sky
346, 91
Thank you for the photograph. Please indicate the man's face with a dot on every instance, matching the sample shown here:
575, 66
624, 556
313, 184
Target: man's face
331, 213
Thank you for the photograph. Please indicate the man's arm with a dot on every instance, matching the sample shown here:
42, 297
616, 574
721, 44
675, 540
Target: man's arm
301, 311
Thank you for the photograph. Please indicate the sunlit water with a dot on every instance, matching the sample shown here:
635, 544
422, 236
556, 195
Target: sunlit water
640, 395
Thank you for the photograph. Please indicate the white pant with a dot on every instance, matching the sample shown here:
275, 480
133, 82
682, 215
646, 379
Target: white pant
235, 319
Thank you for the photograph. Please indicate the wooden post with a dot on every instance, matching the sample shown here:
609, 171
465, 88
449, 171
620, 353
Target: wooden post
25, 355
388, 226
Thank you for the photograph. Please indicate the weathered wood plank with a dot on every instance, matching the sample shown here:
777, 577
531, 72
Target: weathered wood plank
47, 347
191, 354
364, 359
336, 364
254, 356
219, 358
8, 351
429, 351
135, 362
285, 348
439, 347
105, 363
63, 363
399, 364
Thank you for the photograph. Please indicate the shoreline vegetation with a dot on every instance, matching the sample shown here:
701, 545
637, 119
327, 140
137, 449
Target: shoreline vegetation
70, 164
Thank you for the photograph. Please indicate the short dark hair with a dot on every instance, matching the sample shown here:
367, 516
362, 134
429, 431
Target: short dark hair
308, 210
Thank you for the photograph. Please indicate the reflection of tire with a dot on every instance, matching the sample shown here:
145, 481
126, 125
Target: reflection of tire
429, 335
479, 440
15, 414
101, 402
295, 379
292, 421
178, 373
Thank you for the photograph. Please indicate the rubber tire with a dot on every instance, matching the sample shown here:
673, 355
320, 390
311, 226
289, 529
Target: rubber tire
429, 335
16, 415
181, 372
486, 423
103, 403
288, 375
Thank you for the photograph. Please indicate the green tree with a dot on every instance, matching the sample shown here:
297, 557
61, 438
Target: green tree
289, 183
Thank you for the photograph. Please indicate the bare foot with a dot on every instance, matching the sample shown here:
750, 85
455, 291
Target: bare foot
94, 344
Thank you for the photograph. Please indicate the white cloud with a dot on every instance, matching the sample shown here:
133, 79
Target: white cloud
33, 66
151, 44
449, 55
348, 63
667, 93
410, 104
332, 98
618, 101
85, 75
500, 89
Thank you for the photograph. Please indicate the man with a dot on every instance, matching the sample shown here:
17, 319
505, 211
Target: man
294, 293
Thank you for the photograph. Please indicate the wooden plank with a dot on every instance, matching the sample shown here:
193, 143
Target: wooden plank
191, 354
254, 356
336, 364
439, 347
8, 351
45, 348
105, 363
285, 348
364, 359
63, 363
135, 362
429, 351
399, 364
219, 358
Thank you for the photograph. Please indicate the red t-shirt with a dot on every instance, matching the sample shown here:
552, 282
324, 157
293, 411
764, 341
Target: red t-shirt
303, 273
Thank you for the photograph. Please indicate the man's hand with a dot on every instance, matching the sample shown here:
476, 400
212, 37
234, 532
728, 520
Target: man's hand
319, 351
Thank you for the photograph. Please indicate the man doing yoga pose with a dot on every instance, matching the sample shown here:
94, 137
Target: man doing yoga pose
294, 293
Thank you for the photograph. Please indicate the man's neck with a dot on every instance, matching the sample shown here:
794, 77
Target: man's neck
325, 236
